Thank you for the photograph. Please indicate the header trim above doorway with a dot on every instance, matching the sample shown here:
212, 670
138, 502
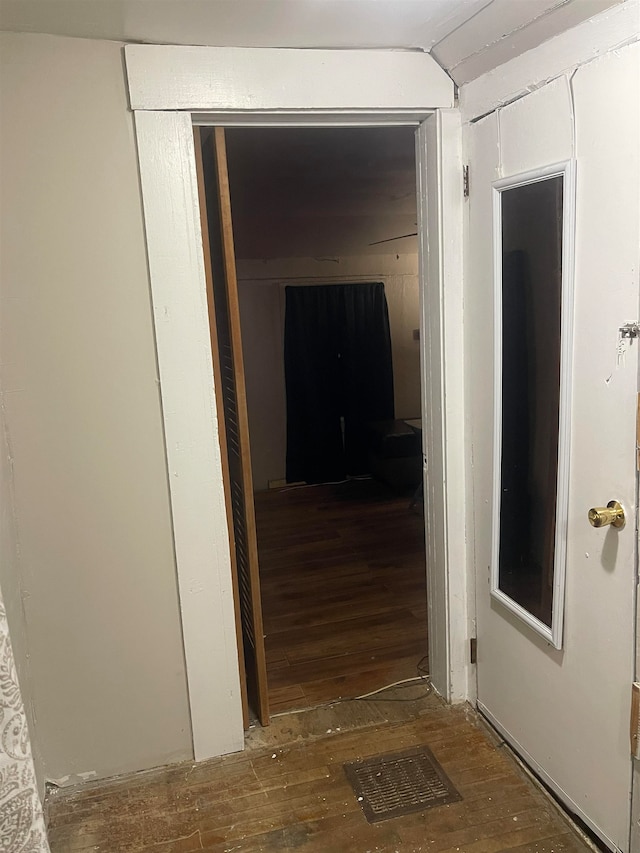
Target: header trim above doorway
241, 80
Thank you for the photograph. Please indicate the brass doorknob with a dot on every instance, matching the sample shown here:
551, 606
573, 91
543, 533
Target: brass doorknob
612, 514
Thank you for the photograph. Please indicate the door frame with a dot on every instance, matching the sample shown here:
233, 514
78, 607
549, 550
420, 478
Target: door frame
173, 88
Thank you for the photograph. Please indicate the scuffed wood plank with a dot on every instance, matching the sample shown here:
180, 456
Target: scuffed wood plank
341, 568
301, 798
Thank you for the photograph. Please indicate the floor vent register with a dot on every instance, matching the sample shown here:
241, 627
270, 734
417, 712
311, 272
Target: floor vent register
400, 783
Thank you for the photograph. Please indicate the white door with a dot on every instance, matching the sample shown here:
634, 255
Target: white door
566, 710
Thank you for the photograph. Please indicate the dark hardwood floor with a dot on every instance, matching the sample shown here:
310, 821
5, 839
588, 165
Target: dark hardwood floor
342, 571
288, 791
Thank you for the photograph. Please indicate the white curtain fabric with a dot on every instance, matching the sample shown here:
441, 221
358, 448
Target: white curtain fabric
22, 828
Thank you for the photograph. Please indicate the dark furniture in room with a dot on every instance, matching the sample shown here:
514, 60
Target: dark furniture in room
395, 454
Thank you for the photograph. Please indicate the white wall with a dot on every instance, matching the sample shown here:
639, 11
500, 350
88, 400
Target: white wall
261, 287
96, 576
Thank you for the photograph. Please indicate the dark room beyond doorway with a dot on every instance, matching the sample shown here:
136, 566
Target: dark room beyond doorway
324, 223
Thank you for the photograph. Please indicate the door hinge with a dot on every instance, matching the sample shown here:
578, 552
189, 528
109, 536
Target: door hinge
630, 330
465, 181
634, 727
473, 650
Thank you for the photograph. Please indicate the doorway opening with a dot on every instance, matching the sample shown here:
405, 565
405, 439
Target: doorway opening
315, 318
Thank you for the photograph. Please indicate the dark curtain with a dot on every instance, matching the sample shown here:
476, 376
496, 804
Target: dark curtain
339, 373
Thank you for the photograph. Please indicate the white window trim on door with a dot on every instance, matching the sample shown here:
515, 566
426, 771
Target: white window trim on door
567, 170
170, 89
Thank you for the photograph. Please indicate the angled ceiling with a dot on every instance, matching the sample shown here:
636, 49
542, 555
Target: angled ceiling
467, 37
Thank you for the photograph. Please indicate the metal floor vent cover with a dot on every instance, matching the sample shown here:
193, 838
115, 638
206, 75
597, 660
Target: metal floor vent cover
400, 783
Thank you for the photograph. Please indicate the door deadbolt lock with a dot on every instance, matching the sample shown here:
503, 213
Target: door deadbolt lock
612, 513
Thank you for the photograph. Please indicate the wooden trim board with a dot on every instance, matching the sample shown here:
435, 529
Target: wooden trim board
267, 80
201, 535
